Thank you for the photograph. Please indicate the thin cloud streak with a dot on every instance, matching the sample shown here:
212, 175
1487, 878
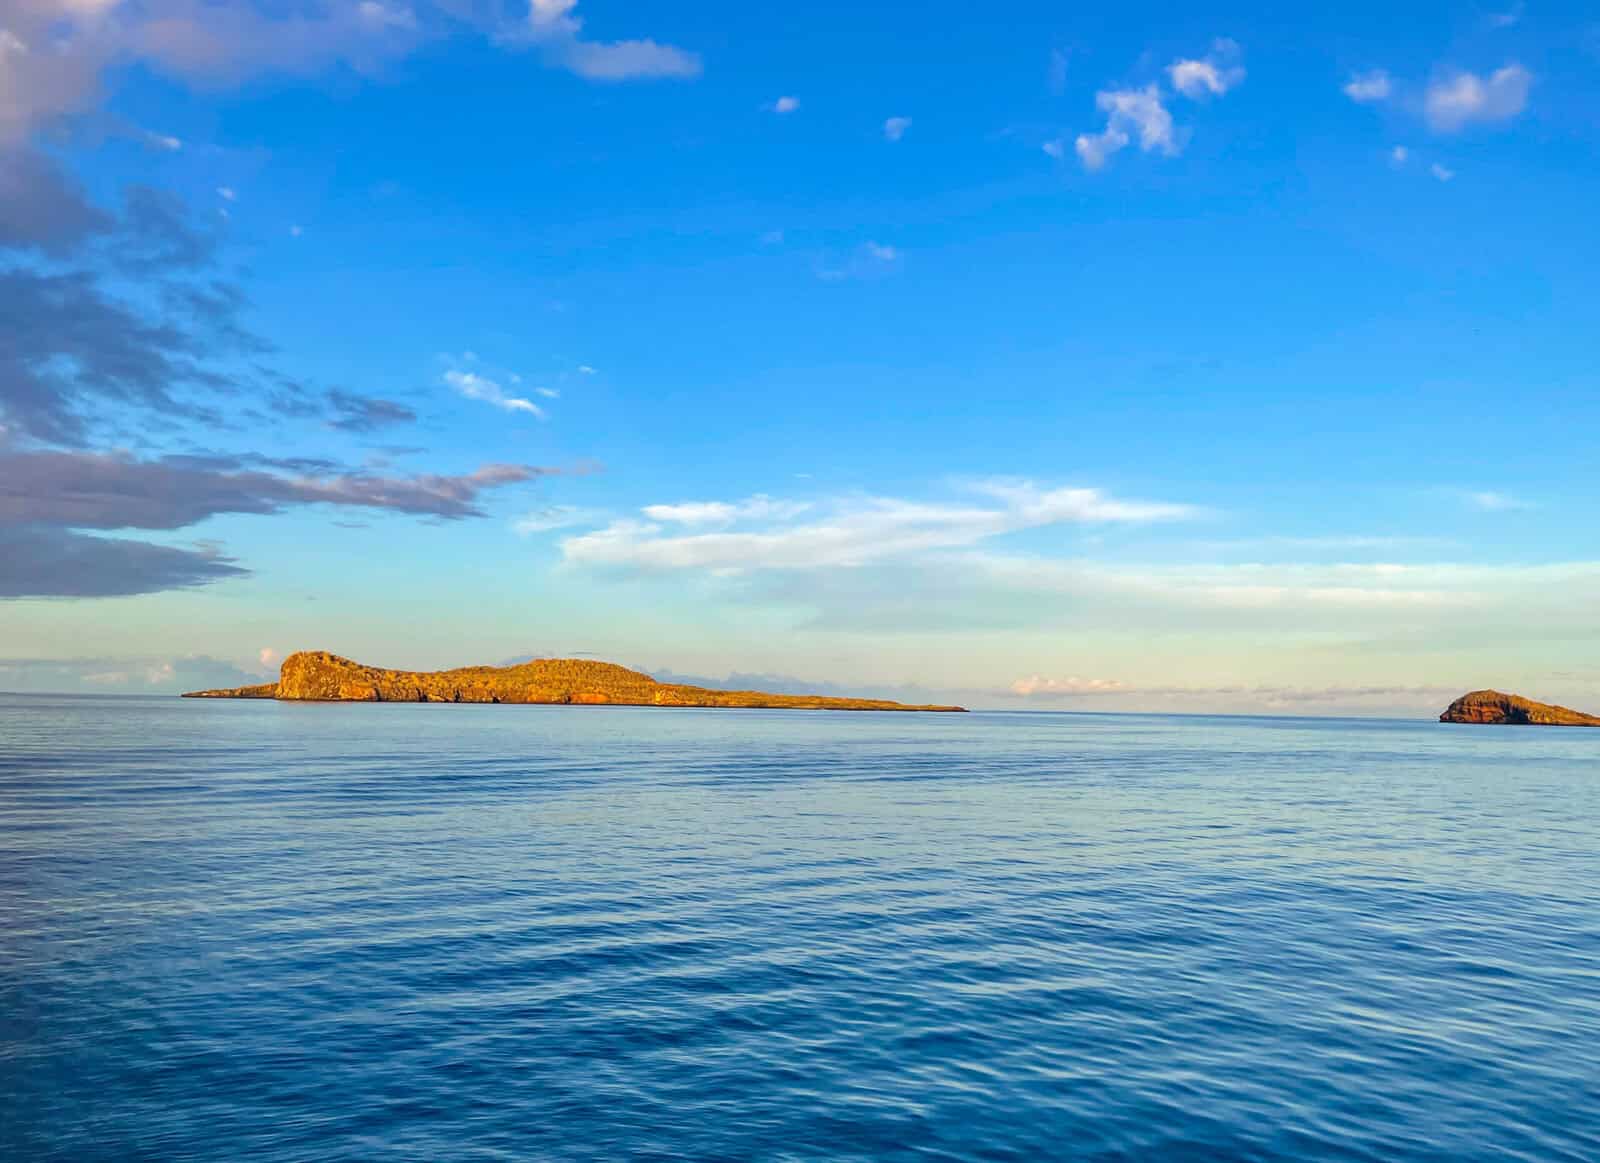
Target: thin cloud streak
855, 532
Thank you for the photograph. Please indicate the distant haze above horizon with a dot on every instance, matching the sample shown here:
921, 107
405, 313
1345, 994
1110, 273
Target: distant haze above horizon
1131, 360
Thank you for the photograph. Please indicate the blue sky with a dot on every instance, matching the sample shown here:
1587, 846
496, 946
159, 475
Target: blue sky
1204, 357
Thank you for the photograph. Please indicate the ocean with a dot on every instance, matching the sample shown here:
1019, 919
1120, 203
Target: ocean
349, 932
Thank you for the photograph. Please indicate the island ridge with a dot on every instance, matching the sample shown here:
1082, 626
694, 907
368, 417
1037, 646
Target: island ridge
317, 676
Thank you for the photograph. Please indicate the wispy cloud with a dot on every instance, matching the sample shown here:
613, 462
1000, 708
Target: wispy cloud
1369, 88
785, 104
1442, 172
48, 498
1037, 685
851, 532
895, 128
90, 490
869, 260
1457, 99
1508, 18
1494, 502
358, 413
477, 387
1056, 74
552, 517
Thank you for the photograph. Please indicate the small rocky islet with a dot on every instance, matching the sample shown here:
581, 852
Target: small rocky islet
318, 676
1493, 707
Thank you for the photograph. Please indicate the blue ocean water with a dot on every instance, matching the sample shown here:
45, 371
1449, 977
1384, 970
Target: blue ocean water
270, 931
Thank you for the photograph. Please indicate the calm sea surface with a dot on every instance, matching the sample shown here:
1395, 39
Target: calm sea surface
267, 931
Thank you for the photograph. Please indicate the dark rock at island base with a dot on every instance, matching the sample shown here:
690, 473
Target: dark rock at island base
317, 676
1513, 710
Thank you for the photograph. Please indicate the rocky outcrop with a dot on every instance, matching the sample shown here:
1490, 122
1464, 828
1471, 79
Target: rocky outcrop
318, 676
267, 690
1494, 707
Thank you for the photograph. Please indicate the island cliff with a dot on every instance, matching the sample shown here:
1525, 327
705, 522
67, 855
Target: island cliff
1494, 707
317, 676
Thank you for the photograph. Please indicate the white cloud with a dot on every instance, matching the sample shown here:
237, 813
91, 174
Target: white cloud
227, 193
1458, 99
757, 508
1441, 172
1369, 88
1095, 149
1399, 155
267, 656
476, 387
164, 141
882, 252
895, 128
1056, 149
1128, 112
553, 26
785, 105
854, 532
585, 370
547, 393
1036, 685
1211, 75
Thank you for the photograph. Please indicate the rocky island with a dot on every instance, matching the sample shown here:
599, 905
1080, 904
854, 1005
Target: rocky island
317, 676
1494, 707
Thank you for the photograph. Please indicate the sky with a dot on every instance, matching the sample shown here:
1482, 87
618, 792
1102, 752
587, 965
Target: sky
1205, 357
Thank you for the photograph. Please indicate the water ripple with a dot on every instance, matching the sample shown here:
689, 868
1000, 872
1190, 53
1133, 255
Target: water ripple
277, 932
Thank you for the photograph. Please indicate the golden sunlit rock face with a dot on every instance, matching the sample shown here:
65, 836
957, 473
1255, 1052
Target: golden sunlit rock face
1494, 707
317, 676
